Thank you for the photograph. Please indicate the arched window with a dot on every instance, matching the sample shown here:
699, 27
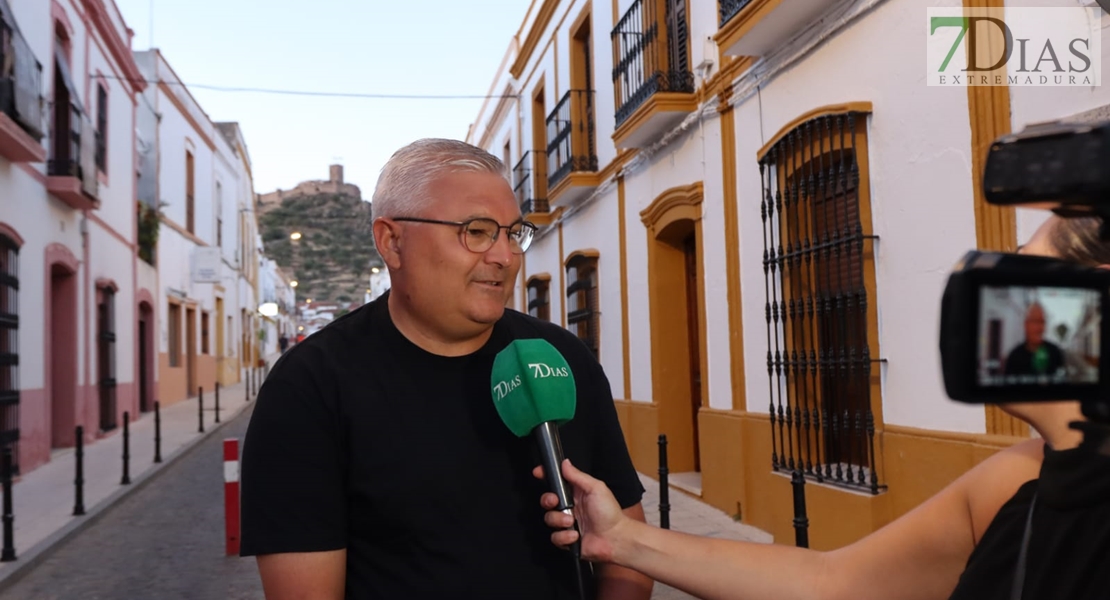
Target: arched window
582, 301
539, 300
9, 346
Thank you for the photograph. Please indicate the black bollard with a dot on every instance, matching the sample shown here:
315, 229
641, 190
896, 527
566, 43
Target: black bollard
249, 381
246, 392
801, 521
79, 480
217, 401
664, 487
157, 432
8, 553
200, 411
126, 479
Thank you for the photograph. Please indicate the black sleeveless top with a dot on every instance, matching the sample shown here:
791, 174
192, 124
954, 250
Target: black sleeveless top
1069, 548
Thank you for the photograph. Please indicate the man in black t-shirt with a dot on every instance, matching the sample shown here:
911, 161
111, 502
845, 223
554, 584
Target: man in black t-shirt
1035, 355
375, 464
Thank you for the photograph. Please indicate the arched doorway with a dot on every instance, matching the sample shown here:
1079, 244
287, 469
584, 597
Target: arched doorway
62, 336
677, 309
146, 357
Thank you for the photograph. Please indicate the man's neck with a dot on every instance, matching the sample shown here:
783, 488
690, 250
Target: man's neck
424, 335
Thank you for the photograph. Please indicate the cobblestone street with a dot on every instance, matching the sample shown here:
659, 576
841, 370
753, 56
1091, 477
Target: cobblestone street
163, 542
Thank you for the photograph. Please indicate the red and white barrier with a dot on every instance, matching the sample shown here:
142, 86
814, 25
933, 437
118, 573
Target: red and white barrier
231, 495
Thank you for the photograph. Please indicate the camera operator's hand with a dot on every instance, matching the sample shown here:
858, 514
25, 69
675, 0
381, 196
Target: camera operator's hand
599, 516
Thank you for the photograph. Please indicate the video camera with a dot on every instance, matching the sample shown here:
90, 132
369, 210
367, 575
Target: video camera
1019, 328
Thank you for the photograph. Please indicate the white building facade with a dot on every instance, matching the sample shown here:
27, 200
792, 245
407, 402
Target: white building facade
72, 307
207, 244
749, 211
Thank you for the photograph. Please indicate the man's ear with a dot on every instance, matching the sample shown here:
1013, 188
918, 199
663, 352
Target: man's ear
387, 239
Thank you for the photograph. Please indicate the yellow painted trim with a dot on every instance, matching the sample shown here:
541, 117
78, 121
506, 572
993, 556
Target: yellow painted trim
670, 353
743, 22
622, 233
616, 12
660, 102
720, 84
995, 226
538, 277
562, 279
732, 258
584, 253
680, 200
533, 38
831, 109
497, 117
573, 180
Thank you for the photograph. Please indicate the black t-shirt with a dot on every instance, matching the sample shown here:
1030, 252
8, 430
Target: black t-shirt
1020, 360
1069, 548
362, 440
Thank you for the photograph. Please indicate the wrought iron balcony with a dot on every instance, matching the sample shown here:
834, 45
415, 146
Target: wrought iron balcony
731, 8
71, 170
570, 129
651, 54
21, 99
530, 198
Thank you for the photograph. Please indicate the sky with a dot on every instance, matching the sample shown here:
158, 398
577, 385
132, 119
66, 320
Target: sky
383, 47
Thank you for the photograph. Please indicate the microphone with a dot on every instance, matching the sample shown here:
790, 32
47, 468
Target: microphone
534, 392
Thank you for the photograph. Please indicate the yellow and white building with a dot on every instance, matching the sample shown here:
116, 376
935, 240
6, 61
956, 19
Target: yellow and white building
749, 209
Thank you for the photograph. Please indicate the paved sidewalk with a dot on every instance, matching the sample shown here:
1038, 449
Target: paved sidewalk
690, 515
43, 500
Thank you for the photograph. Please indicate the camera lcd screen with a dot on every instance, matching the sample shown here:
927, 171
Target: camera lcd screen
1039, 336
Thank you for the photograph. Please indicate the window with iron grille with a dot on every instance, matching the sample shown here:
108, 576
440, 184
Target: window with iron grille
582, 305
817, 254
106, 357
102, 129
9, 347
173, 333
539, 304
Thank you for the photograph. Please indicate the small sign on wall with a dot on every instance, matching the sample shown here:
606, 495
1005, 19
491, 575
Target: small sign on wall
206, 264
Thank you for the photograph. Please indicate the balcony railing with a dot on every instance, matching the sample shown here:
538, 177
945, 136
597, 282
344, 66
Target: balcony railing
731, 8
570, 129
524, 183
650, 54
74, 152
20, 81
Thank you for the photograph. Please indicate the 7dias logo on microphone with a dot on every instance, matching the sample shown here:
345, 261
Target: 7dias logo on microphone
543, 371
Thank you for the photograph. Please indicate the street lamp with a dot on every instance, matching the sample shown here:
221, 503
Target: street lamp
296, 235
293, 284
374, 270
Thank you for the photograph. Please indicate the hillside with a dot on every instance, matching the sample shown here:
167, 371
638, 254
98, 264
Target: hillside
332, 260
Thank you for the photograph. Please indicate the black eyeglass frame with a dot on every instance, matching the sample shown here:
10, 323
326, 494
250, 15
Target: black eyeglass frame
462, 225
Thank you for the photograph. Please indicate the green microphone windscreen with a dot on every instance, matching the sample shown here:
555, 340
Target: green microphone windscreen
531, 383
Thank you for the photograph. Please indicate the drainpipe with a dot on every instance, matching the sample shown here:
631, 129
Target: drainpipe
89, 344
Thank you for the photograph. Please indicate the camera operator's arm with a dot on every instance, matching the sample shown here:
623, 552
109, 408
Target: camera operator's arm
918, 556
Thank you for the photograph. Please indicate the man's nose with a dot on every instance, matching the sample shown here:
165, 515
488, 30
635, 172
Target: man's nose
501, 252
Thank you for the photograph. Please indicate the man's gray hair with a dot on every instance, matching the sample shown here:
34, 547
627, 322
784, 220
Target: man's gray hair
402, 185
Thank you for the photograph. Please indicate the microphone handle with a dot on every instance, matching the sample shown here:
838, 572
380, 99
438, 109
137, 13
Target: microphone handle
551, 453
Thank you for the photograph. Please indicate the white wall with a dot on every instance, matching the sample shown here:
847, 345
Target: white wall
919, 153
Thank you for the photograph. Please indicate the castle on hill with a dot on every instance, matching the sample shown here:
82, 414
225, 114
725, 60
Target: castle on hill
333, 185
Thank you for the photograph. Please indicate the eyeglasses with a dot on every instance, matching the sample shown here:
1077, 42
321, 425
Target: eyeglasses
479, 235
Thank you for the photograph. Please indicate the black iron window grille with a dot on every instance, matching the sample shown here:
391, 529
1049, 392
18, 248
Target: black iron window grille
20, 77
9, 346
539, 305
106, 357
101, 129
819, 360
731, 8
524, 183
582, 301
650, 54
570, 129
